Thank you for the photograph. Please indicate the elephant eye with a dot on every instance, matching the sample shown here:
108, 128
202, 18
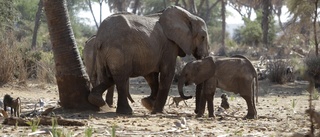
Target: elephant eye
203, 37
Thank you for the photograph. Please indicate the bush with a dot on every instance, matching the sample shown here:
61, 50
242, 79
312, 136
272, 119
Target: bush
20, 63
313, 68
280, 71
39, 65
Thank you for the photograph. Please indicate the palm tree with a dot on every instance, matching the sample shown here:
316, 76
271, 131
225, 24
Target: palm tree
72, 80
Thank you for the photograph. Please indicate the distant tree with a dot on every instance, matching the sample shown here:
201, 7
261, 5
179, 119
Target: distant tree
72, 80
136, 6
152, 6
8, 13
250, 33
223, 34
245, 8
315, 24
37, 23
278, 4
118, 5
304, 14
89, 3
267, 9
271, 34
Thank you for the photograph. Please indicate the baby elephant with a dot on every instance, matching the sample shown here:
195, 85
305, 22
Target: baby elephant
234, 74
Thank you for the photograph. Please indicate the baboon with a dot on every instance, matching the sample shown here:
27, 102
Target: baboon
177, 100
224, 101
14, 104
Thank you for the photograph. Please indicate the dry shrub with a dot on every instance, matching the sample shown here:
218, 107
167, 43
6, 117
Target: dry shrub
6, 66
11, 64
313, 68
39, 65
278, 71
46, 71
19, 62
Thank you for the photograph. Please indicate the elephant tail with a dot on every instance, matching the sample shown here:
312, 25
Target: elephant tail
130, 98
257, 87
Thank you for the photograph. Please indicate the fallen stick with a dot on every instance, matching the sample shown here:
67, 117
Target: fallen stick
43, 121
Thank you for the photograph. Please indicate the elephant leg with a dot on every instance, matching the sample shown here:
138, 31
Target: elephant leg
207, 95
210, 106
95, 96
198, 96
201, 105
109, 96
153, 82
123, 106
164, 87
252, 112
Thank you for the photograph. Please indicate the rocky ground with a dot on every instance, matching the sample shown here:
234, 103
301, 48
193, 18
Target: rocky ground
281, 111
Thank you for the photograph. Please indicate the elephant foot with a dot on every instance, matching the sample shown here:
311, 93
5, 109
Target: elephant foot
248, 116
158, 112
147, 103
199, 115
124, 110
212, 116
110, 104
96, 99
196, 111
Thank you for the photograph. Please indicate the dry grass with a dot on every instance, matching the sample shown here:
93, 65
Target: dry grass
19, 63
11, 64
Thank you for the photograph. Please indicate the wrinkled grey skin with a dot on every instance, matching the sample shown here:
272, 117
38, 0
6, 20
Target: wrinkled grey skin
129, 45
88, 62
234, 74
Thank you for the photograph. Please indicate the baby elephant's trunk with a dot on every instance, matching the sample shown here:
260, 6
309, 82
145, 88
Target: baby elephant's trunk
180, 88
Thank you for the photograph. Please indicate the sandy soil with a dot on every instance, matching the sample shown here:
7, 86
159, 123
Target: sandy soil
281, 109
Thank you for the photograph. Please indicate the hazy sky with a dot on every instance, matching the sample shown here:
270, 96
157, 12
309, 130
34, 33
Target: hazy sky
235, 18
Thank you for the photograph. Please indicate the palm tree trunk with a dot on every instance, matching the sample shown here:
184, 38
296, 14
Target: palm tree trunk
265, 21
72, 80
315, 27
223, 31
135, 7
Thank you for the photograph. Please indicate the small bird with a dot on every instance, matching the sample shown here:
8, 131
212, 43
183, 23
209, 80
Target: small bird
41, 102
181, 123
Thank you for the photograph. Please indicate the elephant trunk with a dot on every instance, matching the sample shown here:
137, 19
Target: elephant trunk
180, 88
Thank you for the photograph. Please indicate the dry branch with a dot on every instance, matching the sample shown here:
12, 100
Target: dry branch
43, 121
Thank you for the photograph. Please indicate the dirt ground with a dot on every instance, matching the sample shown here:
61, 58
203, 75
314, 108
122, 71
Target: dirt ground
281, 111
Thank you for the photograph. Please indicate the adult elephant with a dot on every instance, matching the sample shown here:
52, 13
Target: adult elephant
129, 45
88, 58
234, 74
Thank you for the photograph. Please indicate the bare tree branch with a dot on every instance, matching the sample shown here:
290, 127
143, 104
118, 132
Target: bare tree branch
94, 18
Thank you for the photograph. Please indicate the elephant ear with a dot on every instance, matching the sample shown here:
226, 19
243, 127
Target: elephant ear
177, 26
